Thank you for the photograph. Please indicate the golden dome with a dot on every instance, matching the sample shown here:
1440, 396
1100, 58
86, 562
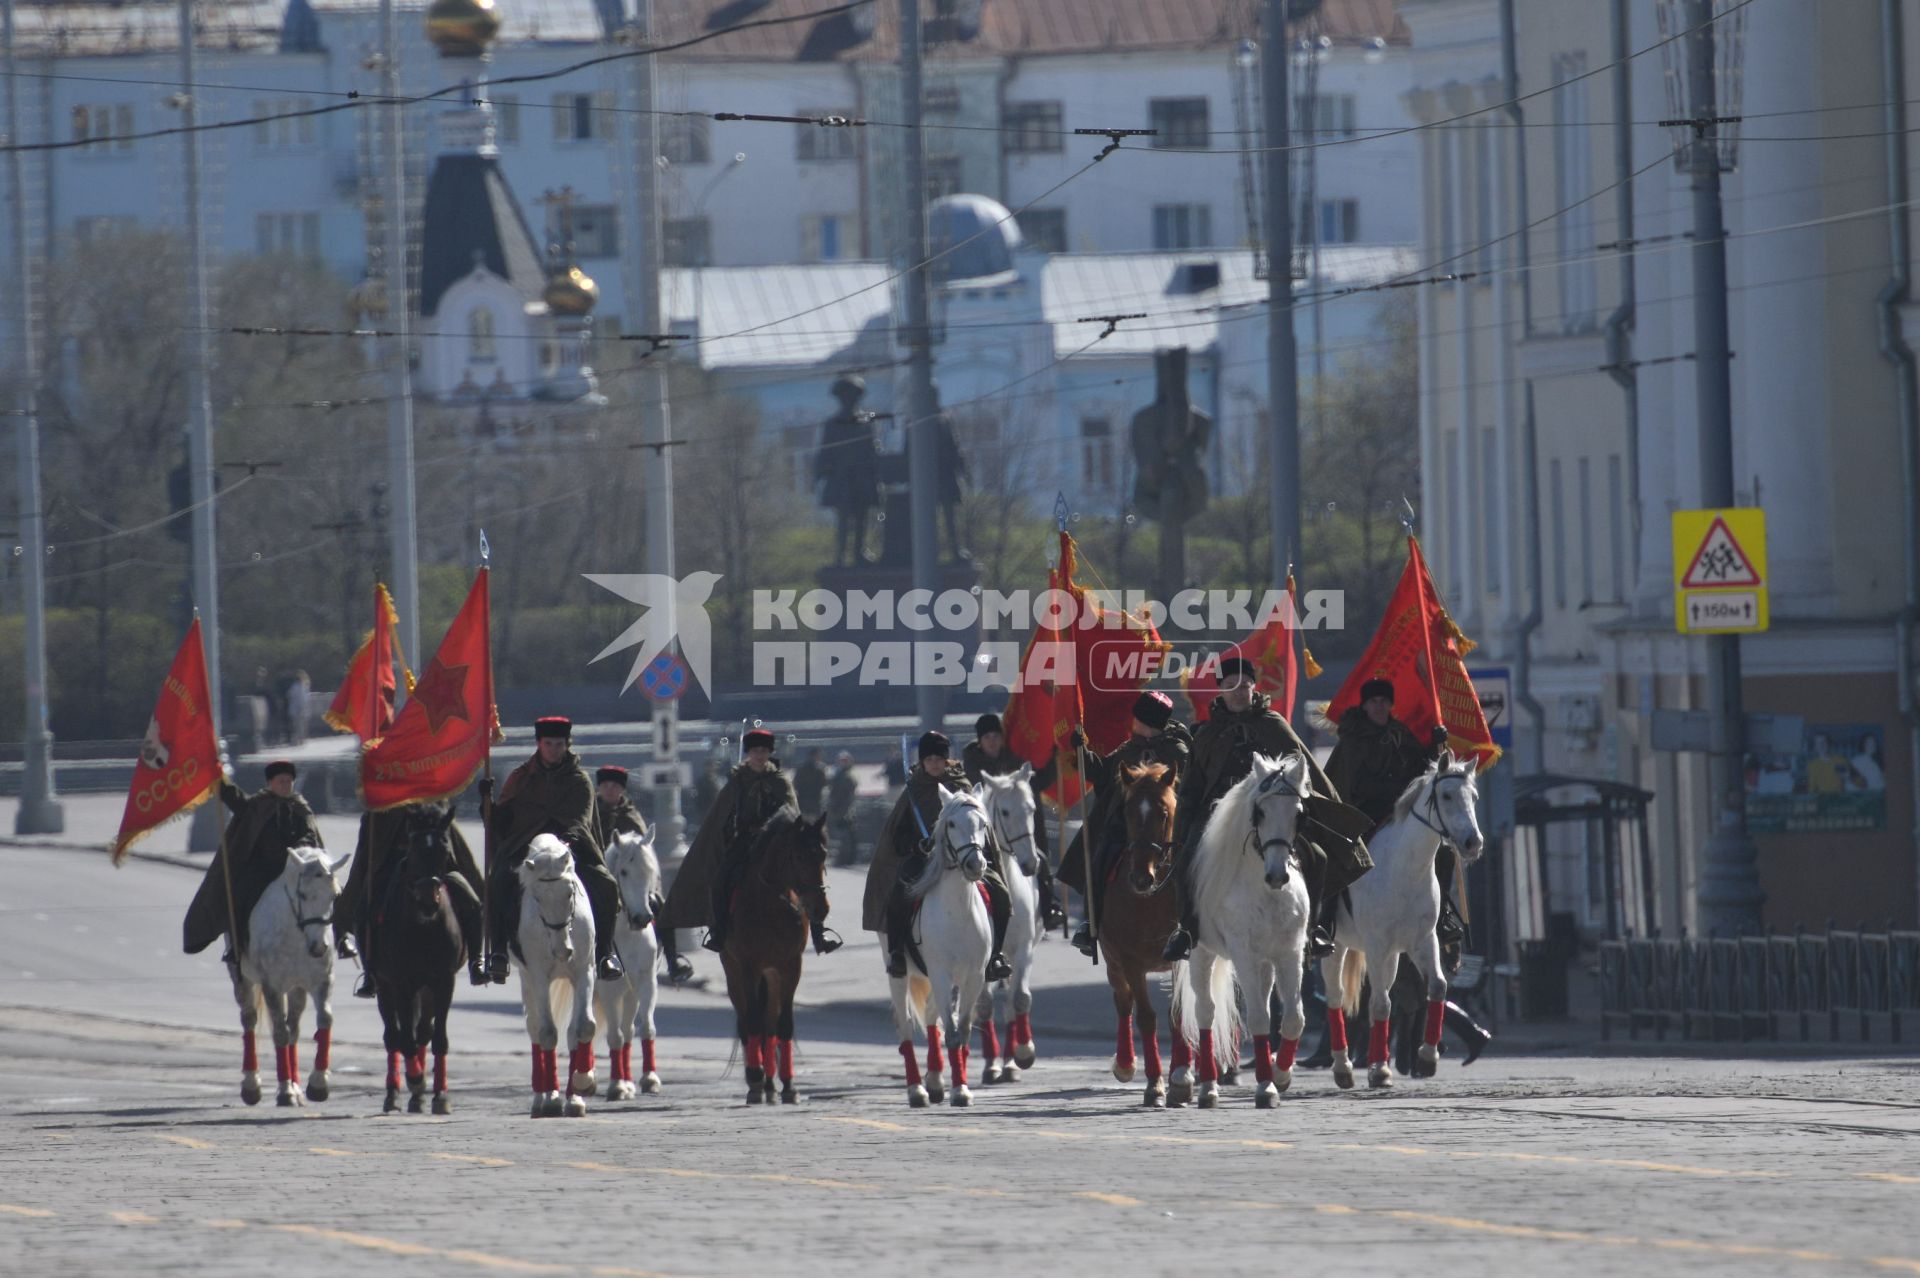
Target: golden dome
571, 292
462, 28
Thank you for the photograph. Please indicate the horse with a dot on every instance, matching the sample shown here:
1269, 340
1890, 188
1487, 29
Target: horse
1013, 813
417, 952
287, 959
623, 1004
1393, 910
956, 936
766, 944
554, 946
1252, 902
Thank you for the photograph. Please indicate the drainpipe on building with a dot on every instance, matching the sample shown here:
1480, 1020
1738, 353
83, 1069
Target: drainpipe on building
1893, 346
1620, 323
1523, 257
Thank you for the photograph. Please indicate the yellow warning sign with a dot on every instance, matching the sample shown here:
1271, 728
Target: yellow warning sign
1720, 571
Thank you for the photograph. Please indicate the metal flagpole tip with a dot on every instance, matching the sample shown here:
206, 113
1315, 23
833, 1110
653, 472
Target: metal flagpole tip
486, 550
1060, 510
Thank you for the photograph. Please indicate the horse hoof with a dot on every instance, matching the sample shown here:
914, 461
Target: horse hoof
1180, 1095
1123, 1070
441, 1105
1009, 1074
1426, 1063
1379, 1076
392, 1105
1024, 1055
1342, 1074
990, 1075
1229, 1078
789, 1095
285, 1100
916, 1097
755, 1096
319, 1087
416, 1104
962, 1097
936, 1090
539, 1106
650, 1084
621, 1090
552, 1105
1156, 1097
766, 1089
1266, 1096
250, 1090
1282, 1080
585, 1084
576, 1107
1209, 1096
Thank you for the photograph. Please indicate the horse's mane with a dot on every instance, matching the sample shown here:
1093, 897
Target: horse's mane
1135, 772
1233, 814
1403, 805
937, 859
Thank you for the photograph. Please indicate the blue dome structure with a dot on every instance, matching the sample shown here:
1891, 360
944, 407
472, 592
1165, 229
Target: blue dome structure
983, 229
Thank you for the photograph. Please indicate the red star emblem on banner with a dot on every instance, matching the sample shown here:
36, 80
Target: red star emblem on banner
442, 693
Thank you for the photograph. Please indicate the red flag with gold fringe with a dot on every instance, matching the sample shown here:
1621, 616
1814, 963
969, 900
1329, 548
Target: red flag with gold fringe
364, 703
179, 763
1270, 649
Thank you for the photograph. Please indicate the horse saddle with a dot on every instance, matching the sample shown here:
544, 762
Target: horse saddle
912, 937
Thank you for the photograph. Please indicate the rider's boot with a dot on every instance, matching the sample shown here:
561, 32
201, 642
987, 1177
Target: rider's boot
1473, 1034
679, 970
825, 939
364, 987
1051, 915
1180, 945
1000, 903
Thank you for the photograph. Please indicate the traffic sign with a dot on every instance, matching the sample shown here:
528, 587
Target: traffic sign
665, 776
1720, 571
1493, 685
665, 678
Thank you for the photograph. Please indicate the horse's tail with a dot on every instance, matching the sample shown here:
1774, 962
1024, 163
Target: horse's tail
1227, 1026
1353, 973
919, 994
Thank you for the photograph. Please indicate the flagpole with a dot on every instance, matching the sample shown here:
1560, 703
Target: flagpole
486, 786
1080, 755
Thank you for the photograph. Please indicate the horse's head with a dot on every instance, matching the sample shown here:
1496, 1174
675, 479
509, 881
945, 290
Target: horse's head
795, 855
548, 868
1150, 800
960, 836
313, 889
1281, 788
635, 868
427, 849
1012, 811
1453, 801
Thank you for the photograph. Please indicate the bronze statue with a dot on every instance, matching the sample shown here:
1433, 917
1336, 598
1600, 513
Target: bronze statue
950, 466
1170, 438
847, 470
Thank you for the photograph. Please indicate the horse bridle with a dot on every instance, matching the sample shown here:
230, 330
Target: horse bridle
1008, 845
1266, 787
554, 927
293, 903
1433, 805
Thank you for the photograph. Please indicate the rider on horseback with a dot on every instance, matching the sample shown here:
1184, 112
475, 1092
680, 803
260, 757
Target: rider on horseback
900, 857
613, 816
988, 756
702, 892
381, 847
1157, 738
548, 794
1376, 759
265, 824
1240, 724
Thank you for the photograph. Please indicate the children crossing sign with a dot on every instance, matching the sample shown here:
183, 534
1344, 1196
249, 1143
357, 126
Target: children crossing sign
1720, 571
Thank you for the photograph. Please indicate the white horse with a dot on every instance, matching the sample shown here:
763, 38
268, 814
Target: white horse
956, 935
555, 949
628, 1003
1013, 814
289, 957
1394, 908
1252, 902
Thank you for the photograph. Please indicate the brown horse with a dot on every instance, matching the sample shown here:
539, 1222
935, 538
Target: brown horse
1134, 927
782, 886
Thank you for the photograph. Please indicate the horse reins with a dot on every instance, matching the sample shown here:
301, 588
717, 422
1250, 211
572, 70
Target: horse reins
554, 927
1266, 786
1433, 805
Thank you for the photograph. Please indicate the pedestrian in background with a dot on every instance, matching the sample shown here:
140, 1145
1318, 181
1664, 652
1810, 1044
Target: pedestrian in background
299, 706
810, 783
841, 792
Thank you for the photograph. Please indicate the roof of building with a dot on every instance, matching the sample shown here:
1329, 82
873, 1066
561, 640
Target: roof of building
471, 218
852, 300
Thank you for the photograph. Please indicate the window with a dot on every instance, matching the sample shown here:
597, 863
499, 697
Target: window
596, 230
1573, 188
1178, 122
1557, 496
941, 99
288, 130
687, 241
1339, 221
1032, 127
506, 118
582, 117
823, 141
683, 139
287, 233
1182, 226
827, 237
943, 176
1492, 502
104, 128
1586, 532
1334, 116
480, 334
1096, 454
1617, 527
1044, 229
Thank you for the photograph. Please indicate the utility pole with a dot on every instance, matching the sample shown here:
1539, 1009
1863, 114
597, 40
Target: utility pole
923, 462
406, 556
655, 419
1730, 894
40, 812
1283, 367
198, 345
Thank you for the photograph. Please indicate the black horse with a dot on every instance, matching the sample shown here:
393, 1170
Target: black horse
417, 952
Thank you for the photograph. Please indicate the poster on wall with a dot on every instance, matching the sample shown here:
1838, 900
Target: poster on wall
1836, 783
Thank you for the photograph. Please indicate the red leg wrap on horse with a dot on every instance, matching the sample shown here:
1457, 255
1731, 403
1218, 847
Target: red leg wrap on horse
755, 1058
1289, 1048
1152, 1044
1182, 1050
539, 1073
1022, 1031
1377, 1042
249, 1053
912, 1059
1209, 1066
1337, 1029
626, 1062
323, 1049
393, 1070
1262, 1058
439, 1072
280, 1063
586, 1058
957, 1062
417, 1063
989, 1041
293, 1061
1436, 1016
786, 1060
933, 1049
1123, 1042
646, 1058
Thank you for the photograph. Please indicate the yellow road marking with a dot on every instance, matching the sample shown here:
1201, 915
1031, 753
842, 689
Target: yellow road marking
1633, 1164
33, 1213
1891, 1178
189, 1141
134, 1218
480, 1159
1111, 1200
339, 1153
479, 1259
224, 1224
695, 1173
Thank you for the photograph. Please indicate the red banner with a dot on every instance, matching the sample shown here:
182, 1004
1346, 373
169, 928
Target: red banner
179, 763
1421, 650
441, 737
1270, 649
364, 703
